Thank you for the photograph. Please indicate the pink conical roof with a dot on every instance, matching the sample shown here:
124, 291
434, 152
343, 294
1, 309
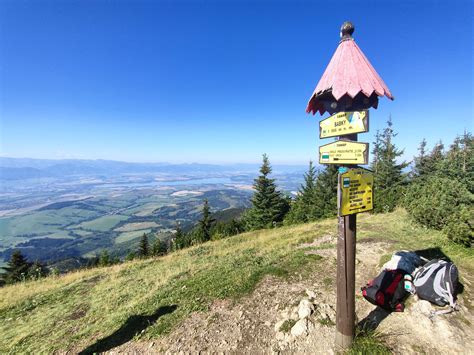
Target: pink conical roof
348, 73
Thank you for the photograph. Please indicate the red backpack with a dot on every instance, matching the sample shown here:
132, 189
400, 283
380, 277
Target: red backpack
386, 290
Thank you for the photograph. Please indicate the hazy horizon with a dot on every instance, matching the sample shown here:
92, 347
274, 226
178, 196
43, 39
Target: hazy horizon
219, 82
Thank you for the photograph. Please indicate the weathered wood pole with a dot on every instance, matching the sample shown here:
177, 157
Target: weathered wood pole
346, 251
349, 83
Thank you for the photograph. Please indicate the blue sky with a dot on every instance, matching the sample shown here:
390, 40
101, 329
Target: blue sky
219, 82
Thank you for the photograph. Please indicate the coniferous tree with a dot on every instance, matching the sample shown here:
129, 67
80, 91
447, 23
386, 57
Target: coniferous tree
179, 240
144, 247
104, 258
37, 270
326, 192
434, 160
130, 256
305, 207
269, 206
420, 166
458, 162
17, 268
388, 174
158, 248
203, 232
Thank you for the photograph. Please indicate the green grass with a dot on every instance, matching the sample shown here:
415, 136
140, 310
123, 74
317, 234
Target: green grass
128, 236
104, 223
287, 325
40, 223
368, 342
73, 312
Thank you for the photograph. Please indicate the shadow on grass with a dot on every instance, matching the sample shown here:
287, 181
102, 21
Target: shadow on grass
432, 253
132, 326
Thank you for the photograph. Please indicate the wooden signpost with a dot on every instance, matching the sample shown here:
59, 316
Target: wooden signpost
347, 95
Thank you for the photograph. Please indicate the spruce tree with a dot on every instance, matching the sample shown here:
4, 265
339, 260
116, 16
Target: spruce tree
326, 192
459, 161
179, 239
37, 270
143, 247
158, 248
420, 166
203, 232
434, 160
17, 268
304, 208
388, 174
104, 258
269, 206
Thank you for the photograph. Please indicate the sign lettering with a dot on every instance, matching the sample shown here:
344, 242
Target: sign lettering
344, 123
344, 152
357, 191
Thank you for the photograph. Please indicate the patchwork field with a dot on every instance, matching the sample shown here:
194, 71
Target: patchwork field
111, 218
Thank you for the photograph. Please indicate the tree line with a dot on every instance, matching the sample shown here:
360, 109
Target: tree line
437, 189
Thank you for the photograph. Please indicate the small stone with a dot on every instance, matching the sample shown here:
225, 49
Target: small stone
267, 323
280, 336
151, 344
304, 309
300, 328
311, 294
241, 313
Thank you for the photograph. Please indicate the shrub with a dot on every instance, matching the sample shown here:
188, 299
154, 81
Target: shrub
459, 226
442, 204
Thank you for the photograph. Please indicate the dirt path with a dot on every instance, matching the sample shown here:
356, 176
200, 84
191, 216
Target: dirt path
262, 322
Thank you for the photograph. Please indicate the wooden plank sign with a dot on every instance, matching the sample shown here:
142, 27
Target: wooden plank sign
344, 152
344, 123
356, 191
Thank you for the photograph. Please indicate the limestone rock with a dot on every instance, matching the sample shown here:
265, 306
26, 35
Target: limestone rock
311, 294
305, 308
423, 307
300, 328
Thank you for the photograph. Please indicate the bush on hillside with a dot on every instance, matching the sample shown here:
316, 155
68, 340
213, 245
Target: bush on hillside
460, 225
442, 204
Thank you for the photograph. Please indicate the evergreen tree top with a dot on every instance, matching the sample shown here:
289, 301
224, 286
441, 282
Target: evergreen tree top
265, 169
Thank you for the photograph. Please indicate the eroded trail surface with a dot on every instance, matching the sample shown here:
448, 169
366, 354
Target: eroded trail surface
297, 315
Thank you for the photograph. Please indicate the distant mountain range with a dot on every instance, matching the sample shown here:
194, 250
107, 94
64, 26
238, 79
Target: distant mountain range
26, 168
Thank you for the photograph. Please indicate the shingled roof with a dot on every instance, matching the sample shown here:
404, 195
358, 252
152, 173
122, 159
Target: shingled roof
349, 81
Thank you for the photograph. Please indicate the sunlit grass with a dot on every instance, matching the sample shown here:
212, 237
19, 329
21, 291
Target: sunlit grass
73, 311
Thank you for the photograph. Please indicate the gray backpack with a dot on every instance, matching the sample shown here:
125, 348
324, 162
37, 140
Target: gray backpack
437, 282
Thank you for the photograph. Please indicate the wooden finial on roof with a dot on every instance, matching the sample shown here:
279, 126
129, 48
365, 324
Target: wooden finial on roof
347, 29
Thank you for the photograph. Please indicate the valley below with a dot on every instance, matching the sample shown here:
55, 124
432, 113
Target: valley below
63, 215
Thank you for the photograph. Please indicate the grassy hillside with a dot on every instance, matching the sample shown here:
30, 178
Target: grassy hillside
95, 309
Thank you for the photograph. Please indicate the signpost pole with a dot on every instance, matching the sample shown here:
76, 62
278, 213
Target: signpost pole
346, 251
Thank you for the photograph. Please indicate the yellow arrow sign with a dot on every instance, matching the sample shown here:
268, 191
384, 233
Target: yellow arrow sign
344, 152
344, 123
356, 193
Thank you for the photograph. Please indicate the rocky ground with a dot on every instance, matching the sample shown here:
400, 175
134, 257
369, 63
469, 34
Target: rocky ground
298, 316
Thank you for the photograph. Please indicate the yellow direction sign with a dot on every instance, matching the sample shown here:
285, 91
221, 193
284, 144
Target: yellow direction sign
344, 152
344, 123
356, 191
